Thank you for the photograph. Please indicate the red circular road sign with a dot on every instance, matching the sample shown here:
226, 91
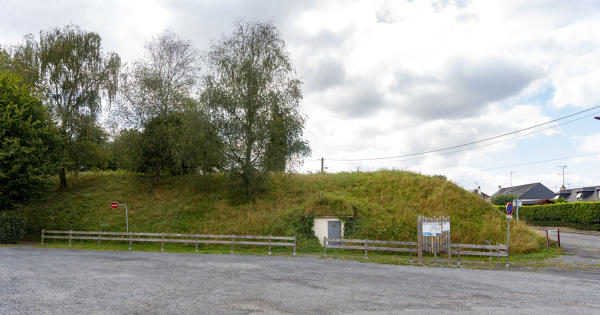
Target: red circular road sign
509, 208
114, 205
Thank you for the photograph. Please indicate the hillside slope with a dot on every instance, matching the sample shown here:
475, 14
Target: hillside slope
383, 205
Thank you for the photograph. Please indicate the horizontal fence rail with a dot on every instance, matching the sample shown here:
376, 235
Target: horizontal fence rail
256, 240
367, 245
497, 251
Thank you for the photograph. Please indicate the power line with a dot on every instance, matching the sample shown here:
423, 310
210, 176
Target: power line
469, 143
542, 161
473, 148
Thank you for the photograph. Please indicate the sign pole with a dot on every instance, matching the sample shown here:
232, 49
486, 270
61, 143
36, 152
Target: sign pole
509, 212
507, 238
126, 219
115, 205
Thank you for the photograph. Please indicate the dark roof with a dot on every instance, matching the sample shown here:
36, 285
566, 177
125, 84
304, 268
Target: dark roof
580, 194
480, 193
529, 191
515, 190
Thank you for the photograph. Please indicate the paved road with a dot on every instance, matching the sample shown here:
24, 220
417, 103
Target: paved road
582, 248
584, 244
57, 281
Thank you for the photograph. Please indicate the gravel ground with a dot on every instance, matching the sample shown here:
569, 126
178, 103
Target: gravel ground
56, 281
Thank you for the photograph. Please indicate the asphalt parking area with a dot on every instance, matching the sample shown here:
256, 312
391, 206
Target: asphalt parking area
37, 280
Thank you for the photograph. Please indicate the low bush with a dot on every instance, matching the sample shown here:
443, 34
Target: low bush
12, 228
578, 215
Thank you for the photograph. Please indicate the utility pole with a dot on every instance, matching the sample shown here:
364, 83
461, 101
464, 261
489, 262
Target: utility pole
563, 175
322, 165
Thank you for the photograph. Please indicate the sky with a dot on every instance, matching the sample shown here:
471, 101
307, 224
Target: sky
396, 78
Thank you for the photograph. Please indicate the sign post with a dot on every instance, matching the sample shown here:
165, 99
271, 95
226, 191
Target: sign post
115, 205
509, 211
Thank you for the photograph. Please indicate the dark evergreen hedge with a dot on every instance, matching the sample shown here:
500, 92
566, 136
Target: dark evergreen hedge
12, 228
578, 215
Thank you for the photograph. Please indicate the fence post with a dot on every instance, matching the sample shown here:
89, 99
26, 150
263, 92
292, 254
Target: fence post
269, 245
547, 245
325, 246
162, 243
410, 257
366, 244
558, 235
458, 256
435, 242
294, 246
99, 237
43, 232
489, 243
70, 237
196, 245
129, 240
447, 243
497, 252
420, 238
232, 242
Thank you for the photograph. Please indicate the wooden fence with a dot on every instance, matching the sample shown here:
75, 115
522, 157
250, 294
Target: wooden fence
364, 245
497, 251
163, 238
490, 250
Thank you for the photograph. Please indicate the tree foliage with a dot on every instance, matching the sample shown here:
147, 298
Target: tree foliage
158, 97
254, 95
68, 66
160, 82
502, 200
240, 116
28, 151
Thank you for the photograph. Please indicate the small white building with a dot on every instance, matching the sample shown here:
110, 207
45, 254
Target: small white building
328, 226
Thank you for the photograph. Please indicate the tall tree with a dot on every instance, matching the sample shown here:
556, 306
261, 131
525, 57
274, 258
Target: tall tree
28, 150
70, 69
253, 92
5, 60
158, 96
161, 81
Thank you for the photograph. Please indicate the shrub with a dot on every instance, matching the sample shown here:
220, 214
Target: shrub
578, 215
12, 228
502, 199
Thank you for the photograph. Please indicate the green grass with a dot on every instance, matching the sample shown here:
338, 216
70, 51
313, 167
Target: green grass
384, 205
536, 260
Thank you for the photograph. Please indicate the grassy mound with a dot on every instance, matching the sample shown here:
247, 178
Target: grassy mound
380, 205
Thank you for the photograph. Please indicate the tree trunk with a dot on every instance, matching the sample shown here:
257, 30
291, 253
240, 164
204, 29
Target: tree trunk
62, 176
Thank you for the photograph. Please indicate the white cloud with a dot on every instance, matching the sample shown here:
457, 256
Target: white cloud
385, 78
590, 143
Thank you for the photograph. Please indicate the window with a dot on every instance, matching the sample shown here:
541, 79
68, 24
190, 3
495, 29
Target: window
579, 194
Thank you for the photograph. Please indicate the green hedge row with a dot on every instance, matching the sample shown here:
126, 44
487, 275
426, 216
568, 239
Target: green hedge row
12, 228
579, 215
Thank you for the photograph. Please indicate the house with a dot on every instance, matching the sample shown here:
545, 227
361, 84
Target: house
529, 194
579, 194
481, 194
